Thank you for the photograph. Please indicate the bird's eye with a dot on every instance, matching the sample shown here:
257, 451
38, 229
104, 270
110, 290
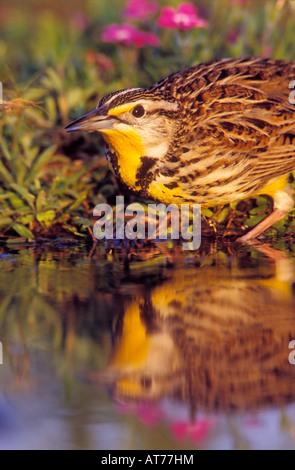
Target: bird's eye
138, 111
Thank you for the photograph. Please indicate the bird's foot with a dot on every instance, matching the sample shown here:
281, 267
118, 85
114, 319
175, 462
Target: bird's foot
271, 219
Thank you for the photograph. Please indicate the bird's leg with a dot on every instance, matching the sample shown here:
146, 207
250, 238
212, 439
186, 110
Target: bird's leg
94, 242
91, 234
271, 253
271, 219
283, 203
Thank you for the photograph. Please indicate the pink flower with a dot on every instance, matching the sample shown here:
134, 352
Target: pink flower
140, 9
121, 33
184, 17
128, 35
196, 431
253, 421
147, 413
141, 39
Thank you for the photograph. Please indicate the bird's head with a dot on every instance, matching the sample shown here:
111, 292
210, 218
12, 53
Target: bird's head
137, 124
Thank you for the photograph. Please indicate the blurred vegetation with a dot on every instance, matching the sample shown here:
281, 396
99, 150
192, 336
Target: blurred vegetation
63, 304
61, 318
54, 67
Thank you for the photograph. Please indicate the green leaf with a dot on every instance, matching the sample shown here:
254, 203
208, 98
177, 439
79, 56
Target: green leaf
30, 155
73, 230
262, 200
5, 221
222, 215
53, 81
233, 205
84, 221
7, 177
16, 201
5, 150
22, 230
51, 108
254, 220
77, 203
30, 198
46, 217
258, 210
40, 200
75, 96
72, 179
51, 205
41, 160
280, 226
207, 212
15, 241
33, 93
26, 219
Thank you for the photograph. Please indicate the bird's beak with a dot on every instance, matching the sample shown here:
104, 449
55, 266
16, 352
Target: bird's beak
96, 120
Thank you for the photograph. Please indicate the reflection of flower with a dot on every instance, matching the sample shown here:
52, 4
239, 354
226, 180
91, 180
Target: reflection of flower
184, 17
253, 421
129, 36
197, 431
147, 414
140, 9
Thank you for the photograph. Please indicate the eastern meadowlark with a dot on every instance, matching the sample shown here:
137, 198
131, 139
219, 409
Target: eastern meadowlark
212, 134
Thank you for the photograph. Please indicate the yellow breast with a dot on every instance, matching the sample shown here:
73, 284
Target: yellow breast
128, 147
132, 349
159, 192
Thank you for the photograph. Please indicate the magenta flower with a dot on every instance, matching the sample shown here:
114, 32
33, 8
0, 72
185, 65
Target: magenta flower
142, 39
129, 35
196, 431
140, 9
184, 17
147, 413
121, 33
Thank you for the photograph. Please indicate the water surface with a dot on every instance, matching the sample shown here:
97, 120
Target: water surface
120, 349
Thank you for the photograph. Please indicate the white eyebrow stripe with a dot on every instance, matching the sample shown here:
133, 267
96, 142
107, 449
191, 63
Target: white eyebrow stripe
152, 105
120, 93
156, 105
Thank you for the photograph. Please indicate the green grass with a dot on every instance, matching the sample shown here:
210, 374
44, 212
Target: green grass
54, 67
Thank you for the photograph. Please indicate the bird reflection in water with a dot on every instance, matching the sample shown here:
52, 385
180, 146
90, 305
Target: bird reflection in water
209, 337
